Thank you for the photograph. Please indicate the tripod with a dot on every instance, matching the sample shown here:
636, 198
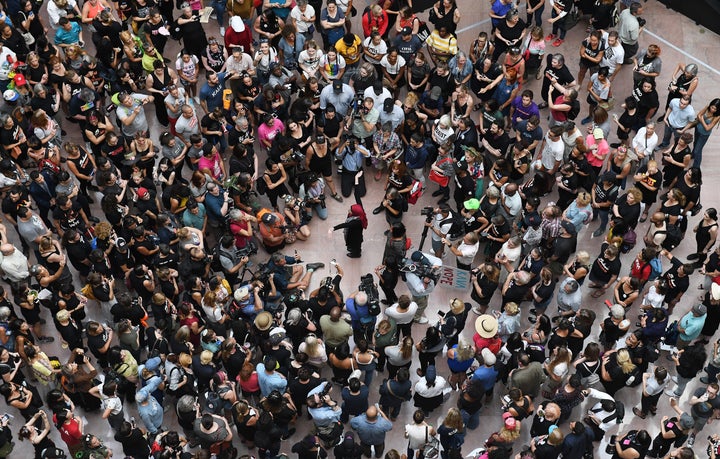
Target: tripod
428, 219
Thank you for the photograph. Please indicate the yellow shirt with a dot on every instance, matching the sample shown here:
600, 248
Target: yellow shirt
442, 45
351, 53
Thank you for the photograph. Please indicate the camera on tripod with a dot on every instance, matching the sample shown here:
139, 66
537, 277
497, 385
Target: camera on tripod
427, 212
250, 249
367, 285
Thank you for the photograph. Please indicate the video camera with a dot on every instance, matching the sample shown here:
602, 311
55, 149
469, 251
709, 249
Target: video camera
250, 249
367, 285
419, 265
428, 213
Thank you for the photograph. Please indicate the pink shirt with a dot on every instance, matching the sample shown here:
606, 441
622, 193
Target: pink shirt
596, 157
266, 134
211, 164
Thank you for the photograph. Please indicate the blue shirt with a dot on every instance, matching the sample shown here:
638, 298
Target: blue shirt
193, 220
415, 157
67, 37
270, 382
371, 433
213, 205
500, 9
486, 376
213, 95
692, 326
353, 160
323, 415
151, 414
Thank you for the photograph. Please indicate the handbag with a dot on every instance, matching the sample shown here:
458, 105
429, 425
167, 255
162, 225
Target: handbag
423, 31
439, 178
431, 448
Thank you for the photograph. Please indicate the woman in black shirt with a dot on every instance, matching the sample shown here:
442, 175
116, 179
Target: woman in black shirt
627, 207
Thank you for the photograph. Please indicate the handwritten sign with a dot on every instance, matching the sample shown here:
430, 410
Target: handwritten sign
452, 277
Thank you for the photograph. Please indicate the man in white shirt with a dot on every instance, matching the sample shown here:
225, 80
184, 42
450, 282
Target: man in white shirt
14, 265
421, 287
614, 54
551, 153
511, 201
439, 227
465, 251
678, 116
644, 143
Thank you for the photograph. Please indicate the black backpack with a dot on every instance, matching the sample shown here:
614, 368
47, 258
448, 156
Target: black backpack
673, 237
574, 110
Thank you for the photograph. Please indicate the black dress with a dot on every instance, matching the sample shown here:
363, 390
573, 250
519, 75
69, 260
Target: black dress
159, 100
353, 231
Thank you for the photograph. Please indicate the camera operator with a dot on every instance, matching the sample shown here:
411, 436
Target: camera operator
363, 323
272, 231
350, 154
421, 283
217, 203
364, 122
323, 409
439, 222
312, 191
231, 259
247, 302
196, 264
324, 298
289, 274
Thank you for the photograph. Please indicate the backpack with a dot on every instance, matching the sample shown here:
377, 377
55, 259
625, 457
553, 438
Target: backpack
457, 227
415, 192
629, 241
212, 403
261, 185
10, 345
671, 334
655, 269
673, 237
574, 110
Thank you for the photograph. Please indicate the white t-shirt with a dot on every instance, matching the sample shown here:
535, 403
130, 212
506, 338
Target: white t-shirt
402, 317
468, 252
443, 228
552, 153
513, 203
301, 24
377, 51
614, 55
642, 144
393, 69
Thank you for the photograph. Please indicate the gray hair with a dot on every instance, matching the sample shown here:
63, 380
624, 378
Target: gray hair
240, 120
361, 298
492, 192
235, 214
39, 87
692, 69
4, 313
617, 311
294, 316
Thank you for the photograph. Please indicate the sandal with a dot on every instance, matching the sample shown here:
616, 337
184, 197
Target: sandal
598, 293
337, 197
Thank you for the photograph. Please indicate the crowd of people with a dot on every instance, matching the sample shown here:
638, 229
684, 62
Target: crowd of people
175, 296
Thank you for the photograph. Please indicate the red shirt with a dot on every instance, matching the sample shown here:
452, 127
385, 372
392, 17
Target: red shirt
640, 270
70, 432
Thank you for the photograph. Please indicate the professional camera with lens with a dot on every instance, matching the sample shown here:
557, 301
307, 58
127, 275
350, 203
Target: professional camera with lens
419, 265
427, 212
321, 198
367, 285
250, 249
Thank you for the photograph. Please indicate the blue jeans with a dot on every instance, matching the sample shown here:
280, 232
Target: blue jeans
219, 8
700, 141
537, 15
669, 132
369, 371
472, 421
712, 372
604, 215
321, 212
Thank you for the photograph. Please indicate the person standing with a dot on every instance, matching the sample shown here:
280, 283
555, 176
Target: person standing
628, 28
372, 428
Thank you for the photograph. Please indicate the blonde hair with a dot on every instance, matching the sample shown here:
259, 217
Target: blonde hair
464, 350
583, 198
185, 360
453, 419
311, 345
583, 257
206, 357
624, 362
511, 309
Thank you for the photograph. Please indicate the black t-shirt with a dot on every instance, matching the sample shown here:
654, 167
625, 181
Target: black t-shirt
70, 218
135, 444
500, 142
603, 269
564, 247
602, 195
630, 213
97, 342
511, 33
563, 74
646, 101
675, 283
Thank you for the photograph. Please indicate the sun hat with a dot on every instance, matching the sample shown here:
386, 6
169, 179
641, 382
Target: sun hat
263, 321
486, 326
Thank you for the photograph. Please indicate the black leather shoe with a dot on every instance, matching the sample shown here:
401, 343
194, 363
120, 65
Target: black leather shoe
377, 210
437, 193
315, 266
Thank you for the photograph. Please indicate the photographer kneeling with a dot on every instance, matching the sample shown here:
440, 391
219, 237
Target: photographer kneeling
421, 278
231, 259
289, 274
312, 192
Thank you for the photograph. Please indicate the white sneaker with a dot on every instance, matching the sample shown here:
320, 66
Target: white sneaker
422, 320
222, 31
476, 310
670, 393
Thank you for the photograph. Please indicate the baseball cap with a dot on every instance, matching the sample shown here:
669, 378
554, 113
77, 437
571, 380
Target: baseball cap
471, 204
699, 309
406, 31
435, 93
269, 218
569, 227
388, 104
20, 79
10, 95
142, 192
337, 85
598, 133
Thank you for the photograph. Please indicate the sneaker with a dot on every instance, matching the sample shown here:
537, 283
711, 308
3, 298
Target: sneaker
704, 380
639, 413
558, 42
598, 232
693, 256
674, 379
315, 266
586, 120
46, 339
477, 310
422, 320
550, 37
670, 393
337, 197
222, 31
691, 440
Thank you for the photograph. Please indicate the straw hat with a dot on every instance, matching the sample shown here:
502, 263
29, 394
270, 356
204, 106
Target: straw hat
263, 321
486, 326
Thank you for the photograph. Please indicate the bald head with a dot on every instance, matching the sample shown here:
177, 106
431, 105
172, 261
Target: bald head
371, 413
335, 314
511, 189
7, 249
